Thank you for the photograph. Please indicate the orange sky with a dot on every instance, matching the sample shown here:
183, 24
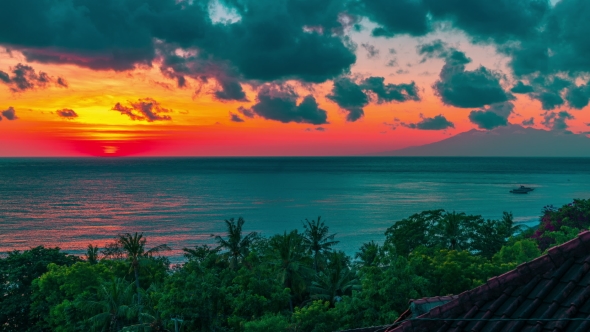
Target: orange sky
201, 126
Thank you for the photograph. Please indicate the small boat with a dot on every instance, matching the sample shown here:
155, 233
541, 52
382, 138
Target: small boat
522, 190
526, 188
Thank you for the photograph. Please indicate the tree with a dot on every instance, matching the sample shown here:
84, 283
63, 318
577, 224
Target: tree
134, 246
236, 244
317, 240
268, 323
336, 281
17, 273
574, 215
92, 254
488, 236
451, 231
368, 254
291, 262
55, 292
417, 230
519, 252
113, 307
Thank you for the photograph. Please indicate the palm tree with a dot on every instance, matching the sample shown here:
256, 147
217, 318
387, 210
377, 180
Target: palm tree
151, 317
236, 244
288, 255
336, 281
450, 230
134, 247
92, 254
368, 254
112, 307
316, 239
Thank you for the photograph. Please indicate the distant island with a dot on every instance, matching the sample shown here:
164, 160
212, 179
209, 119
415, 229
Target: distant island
508, 141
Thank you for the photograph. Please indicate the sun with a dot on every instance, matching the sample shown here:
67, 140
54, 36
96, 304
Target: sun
110, 149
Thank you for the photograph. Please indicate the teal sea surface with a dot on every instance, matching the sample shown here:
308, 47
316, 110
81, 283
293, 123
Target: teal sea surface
71, 203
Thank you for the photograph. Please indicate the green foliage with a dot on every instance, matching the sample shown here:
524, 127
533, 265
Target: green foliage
519, 252
92, 254
17, 273
563, 235
237, 246
288, 258
575, 215
55, 291
317, 317
112, 308
292, 282
336, 281
450, 230
451, 271
269, 323
317, 239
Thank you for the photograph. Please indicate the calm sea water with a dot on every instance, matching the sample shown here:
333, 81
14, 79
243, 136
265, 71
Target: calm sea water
73, 202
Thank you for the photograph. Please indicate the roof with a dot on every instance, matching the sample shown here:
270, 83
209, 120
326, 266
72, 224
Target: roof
417, 308
553, 286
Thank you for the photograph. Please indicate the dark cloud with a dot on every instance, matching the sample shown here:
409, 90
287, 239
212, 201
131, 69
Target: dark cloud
498, 20
556, 121
395, 17
492, 116
146, 109
392, 63
350, 97
482, 20
4, 77
235, 118
438, 122
549, 99
67, 113
246, 112
372, 51
459, 87
9, 114
502, 109
561, 44
487, 119
279, 103
269, 40
353, 97
554, 91
62, 82
275, 40
520, 87
390, 92
578, 96
230, 90
438, 49
463, 88
25, 77
529, 122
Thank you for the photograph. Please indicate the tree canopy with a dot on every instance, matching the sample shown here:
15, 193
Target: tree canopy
295, 281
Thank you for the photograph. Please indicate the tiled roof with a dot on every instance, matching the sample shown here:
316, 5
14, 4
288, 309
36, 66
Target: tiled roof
417, 308
553, 286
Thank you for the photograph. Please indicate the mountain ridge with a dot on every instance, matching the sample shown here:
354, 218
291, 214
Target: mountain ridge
507, 141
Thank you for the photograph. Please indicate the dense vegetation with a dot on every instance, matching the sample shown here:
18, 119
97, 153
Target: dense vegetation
295, 281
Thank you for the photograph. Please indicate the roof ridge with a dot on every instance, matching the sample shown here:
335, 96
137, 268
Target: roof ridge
555, 257
431, 299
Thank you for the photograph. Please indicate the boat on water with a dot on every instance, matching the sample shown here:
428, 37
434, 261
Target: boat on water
522, 190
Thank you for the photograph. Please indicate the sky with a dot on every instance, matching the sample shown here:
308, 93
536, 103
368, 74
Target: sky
284, 77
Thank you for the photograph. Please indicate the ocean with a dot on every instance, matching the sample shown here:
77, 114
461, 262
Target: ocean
73, 202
